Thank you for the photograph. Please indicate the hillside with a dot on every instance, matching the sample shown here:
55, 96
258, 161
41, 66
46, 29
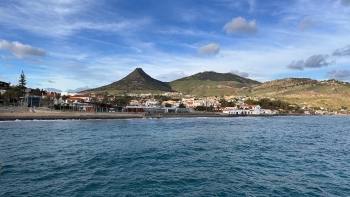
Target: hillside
214, 76
136, 82
211, 84
304, 92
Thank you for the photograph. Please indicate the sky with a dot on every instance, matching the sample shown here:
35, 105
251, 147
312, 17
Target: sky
72, 45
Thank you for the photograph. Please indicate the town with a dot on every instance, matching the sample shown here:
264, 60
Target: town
170, 102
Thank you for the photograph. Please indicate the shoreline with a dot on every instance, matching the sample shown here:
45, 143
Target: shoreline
52, 115
27, 114
12, 114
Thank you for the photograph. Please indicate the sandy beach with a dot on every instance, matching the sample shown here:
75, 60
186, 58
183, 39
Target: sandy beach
25, 113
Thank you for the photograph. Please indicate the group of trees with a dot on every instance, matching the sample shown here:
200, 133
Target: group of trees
14, 94
225, 103
267, 103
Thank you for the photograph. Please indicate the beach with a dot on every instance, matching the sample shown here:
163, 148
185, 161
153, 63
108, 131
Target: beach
26, 113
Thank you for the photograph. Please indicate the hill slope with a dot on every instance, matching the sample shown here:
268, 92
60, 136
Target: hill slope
305, 92
211, 84
214, 76
136, 82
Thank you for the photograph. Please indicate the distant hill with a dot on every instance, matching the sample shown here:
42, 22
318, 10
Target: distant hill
136, 82
211, 84
304, 92
214, 76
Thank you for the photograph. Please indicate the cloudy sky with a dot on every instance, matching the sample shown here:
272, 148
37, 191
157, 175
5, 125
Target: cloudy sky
74, 44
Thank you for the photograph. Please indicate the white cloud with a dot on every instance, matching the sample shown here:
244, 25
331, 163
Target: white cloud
65, 18
307, 23
242, 74
50, 81
208, 50
339, 74
240, 25
20, 50
342, 51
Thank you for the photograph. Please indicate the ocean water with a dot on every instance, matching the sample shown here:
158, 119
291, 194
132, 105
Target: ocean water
245, 156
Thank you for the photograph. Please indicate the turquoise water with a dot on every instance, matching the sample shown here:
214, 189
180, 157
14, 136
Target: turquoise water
245, 156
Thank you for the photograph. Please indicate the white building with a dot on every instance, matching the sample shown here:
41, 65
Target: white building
151, 103
245, 109
68, 94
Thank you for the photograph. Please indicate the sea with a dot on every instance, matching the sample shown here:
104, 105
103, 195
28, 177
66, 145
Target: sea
236, 156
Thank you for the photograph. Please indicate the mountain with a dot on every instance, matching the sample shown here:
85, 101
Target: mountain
332, 94
214, 76
210, 83
136, 82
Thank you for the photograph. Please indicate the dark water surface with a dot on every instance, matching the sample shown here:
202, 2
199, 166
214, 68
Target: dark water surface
247, 156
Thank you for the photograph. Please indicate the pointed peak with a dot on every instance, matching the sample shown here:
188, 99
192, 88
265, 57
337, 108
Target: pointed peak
138, 70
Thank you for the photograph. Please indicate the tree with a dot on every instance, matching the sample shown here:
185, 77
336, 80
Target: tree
181, 105
57, 96
22, 82
12, 95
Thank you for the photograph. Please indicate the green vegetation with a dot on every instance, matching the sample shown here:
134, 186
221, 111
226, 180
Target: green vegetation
266, 103
213, 76
22, 83
331, 94
204, 108
211, 84
37, 92
206, 88
182, 105
225, 103
12, 96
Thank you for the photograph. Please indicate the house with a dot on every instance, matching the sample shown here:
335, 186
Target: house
227, 109
134, 103
151, 103
67, 94
171, 102
52, 96
80, 97
34, 101
245, 109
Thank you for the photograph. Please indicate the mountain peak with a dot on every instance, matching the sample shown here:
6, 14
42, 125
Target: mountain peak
138, 80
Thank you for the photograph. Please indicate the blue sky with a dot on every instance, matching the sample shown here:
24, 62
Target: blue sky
72, 44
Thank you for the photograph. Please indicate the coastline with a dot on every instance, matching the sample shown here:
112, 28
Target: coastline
28, 114
12, 114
